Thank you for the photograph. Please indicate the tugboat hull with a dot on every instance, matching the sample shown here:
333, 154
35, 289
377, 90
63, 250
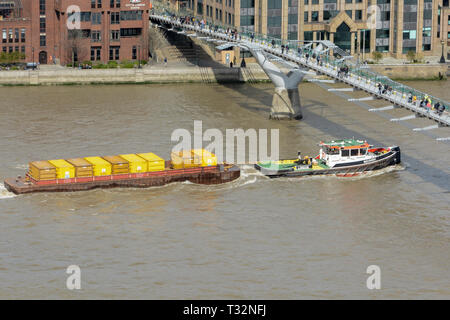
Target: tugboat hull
390, 158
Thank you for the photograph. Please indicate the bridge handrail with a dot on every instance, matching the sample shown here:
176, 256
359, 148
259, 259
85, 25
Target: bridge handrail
293, 45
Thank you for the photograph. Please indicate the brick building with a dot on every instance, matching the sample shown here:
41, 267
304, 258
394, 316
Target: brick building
108, 29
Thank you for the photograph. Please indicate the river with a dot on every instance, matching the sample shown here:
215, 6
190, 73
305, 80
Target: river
254, 238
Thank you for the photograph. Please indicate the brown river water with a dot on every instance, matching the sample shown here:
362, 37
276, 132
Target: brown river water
254, 238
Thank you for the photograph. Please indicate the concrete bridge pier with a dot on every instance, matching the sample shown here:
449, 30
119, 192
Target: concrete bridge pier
286, 100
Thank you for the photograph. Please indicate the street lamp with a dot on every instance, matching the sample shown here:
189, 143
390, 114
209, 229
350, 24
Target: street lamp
442, 56
139, 56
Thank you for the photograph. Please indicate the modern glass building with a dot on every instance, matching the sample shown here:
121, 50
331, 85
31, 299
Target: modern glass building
392, 27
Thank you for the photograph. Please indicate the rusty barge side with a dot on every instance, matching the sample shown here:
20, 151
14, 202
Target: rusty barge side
204, 175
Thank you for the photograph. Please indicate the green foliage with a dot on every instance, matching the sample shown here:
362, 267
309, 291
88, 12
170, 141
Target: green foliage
411, 55
377, 56
11, 57
100, 66
112, 64
127, 64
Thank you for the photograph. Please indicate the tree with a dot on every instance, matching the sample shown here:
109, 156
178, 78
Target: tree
411, 55
11, 57
377, 56
75, 50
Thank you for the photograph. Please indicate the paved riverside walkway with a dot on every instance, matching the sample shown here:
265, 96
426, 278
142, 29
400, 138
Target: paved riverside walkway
399, 99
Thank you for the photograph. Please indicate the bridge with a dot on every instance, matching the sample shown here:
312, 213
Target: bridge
298, 57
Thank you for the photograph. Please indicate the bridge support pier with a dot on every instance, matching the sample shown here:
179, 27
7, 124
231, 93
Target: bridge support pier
286, 100
286, 104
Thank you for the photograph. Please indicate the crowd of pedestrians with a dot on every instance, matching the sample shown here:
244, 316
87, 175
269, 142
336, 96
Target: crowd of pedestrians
343, 71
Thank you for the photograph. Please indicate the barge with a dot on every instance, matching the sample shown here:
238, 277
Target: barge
132, 170
346, 158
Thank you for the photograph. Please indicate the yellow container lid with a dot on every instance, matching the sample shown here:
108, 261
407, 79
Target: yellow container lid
97, 161
150, 156
42, 165
79, 162
115, 159
203, 153
60, 163
132, 157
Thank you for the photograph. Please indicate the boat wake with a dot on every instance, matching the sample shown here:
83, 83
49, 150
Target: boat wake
5, 194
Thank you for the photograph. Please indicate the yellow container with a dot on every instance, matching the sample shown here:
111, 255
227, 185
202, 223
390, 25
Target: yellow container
137, 164
207, 158
64, 170
154, 162
82, 167
118, 164
101, 166
184, 159
42, 170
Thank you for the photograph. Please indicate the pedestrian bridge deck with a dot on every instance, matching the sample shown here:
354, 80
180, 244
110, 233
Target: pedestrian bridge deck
357, 77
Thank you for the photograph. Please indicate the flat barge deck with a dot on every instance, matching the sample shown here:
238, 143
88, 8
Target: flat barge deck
202, 175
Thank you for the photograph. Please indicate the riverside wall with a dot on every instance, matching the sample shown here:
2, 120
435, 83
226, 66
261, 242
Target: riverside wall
160, 74
427, 71
145, 75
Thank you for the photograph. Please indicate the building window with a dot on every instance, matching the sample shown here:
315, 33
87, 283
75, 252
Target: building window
315, 16
42, 25
409, 35
10, 36
358, 15
117, 3
426, 32
134, 53
133, 15
247, 3
115, 35
247, 20
308, 35
99, 3
85, 16
16, 35
42, 41
22, 35
305, 16
92, 4
348, 1
349, 13
96, 18
42, 7
292, 18
96, 36
114, 53
130, 32
22, 49
96, 53
115, 17
315, 2
4, 36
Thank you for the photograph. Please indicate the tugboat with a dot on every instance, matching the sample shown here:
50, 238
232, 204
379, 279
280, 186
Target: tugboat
347, 158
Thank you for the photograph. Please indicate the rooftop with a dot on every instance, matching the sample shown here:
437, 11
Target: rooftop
345, 143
